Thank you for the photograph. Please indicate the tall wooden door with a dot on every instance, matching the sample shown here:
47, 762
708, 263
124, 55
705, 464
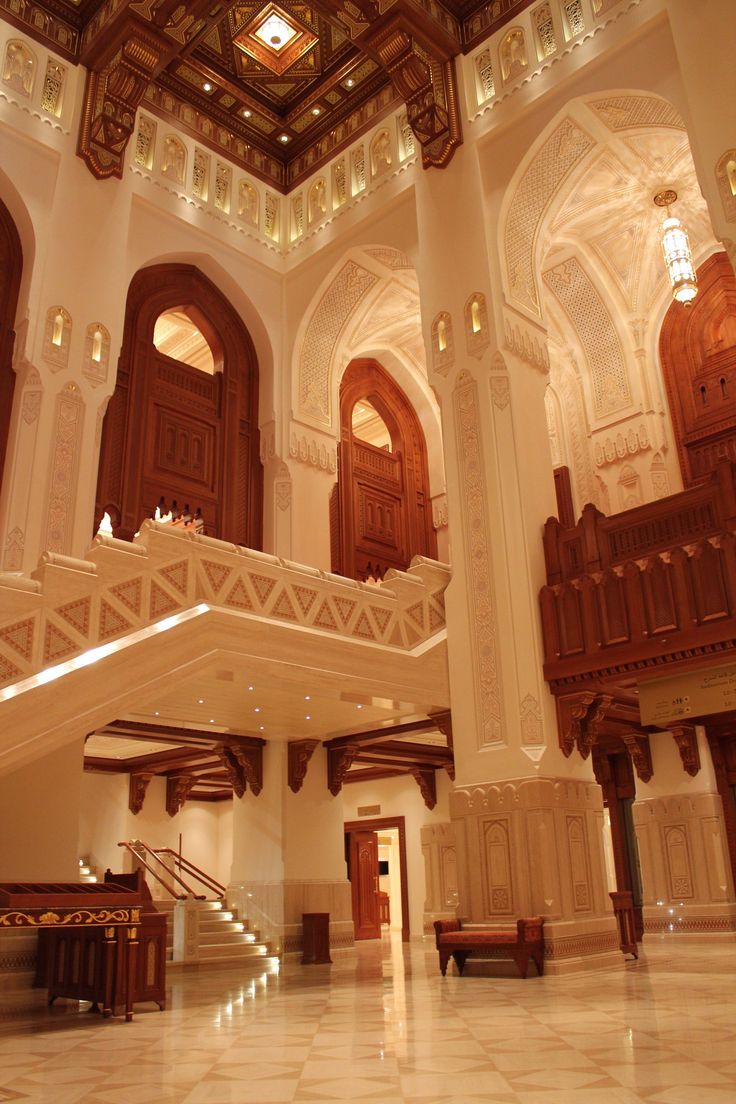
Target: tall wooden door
364, 881
174, 432
380, 512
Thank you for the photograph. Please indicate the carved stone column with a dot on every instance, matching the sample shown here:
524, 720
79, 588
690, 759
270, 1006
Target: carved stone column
532, 843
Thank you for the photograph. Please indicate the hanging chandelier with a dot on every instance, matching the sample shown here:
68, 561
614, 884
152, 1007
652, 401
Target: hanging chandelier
676, 249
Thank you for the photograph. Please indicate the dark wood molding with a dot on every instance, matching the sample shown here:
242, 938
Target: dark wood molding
299, 754
339, 761
637, 745
426, 780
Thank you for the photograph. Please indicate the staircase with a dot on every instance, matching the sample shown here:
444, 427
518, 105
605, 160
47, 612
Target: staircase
86, 873
222, 938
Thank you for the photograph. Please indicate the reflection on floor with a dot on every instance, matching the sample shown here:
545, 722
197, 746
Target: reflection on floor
382, 1024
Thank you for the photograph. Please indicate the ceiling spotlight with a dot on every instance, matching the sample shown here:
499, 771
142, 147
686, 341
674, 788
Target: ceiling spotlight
261, 728
200, 701
212, 720
308, 717
316, 111
349, 83
156, 713
283, 137
251, 687
359, 707
247, 113
207, 86
258, 709
307, 697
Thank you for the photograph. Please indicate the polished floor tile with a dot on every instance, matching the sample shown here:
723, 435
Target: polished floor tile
381, 1024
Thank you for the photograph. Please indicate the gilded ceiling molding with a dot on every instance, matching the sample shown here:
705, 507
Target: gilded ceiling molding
124, 48
416, 44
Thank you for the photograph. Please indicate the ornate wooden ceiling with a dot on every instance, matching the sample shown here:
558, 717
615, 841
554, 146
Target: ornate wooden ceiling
290, 82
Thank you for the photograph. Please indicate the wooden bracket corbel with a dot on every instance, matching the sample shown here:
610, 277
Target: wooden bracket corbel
687, 743
571, 711
178, 788
137, 790
250, 760
339, 762
300, 752
425, 779
638, 747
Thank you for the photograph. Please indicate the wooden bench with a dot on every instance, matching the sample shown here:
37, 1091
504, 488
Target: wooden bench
520, 944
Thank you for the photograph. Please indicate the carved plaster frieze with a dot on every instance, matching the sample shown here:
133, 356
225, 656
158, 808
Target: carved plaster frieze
526, 345
310, 450
481, 594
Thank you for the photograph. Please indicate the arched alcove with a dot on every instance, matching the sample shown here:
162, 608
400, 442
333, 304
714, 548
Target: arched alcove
381, 513
11, 267
175, 431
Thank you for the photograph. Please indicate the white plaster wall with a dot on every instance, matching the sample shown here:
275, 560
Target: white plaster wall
105, 820
40, 803
401, 797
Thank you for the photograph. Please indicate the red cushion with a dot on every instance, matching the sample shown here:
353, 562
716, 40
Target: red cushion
477, 937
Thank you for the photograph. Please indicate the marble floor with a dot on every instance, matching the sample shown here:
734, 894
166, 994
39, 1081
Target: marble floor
381, 1024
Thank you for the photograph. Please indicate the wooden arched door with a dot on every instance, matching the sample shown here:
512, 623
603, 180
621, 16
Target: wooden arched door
11, 267
175, 432
381, 512
697, 346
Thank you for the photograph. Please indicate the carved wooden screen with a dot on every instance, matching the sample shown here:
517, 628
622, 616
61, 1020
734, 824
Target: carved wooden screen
380, 512
698, 350
11, 265
175, 432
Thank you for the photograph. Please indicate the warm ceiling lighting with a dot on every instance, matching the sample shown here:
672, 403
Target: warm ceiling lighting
207, 86
676, 249
315, 111
275, 32
246, 113
283, 138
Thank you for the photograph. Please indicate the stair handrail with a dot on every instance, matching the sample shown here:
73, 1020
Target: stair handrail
193, 871
135, 850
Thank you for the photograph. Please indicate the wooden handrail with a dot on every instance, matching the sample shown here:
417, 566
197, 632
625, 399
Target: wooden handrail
194, 871
154, 873
136, 850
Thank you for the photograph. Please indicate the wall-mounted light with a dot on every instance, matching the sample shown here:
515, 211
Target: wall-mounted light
676, 249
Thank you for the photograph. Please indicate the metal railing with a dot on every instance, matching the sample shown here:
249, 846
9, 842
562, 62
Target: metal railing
167, 867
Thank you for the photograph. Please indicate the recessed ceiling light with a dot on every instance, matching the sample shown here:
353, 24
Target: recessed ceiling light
200, 701
207, 86
156, 713
308, 717
283, 137
316, 111
251, 687
261, 728
307, 697
258, 709
349, 83
359, 707
246, 113
212, 720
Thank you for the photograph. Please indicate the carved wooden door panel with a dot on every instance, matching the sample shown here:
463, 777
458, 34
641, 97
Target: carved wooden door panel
175, 432
364, 882
380, 514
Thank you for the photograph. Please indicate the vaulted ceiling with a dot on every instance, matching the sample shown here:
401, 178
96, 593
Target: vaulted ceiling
290, 82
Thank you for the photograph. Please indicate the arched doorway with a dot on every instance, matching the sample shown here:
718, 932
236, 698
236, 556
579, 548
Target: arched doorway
381, 515
698, 351
182, 422
11, 267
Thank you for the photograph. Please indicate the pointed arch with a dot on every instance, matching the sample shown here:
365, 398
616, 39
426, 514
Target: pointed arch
175, 432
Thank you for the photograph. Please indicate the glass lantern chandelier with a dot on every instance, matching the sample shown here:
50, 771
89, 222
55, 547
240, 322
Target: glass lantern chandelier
676, 249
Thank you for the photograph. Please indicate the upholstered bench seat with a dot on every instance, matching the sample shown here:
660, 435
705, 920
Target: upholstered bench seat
520, 943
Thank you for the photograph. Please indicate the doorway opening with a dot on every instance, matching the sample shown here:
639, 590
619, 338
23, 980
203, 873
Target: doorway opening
375, 853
